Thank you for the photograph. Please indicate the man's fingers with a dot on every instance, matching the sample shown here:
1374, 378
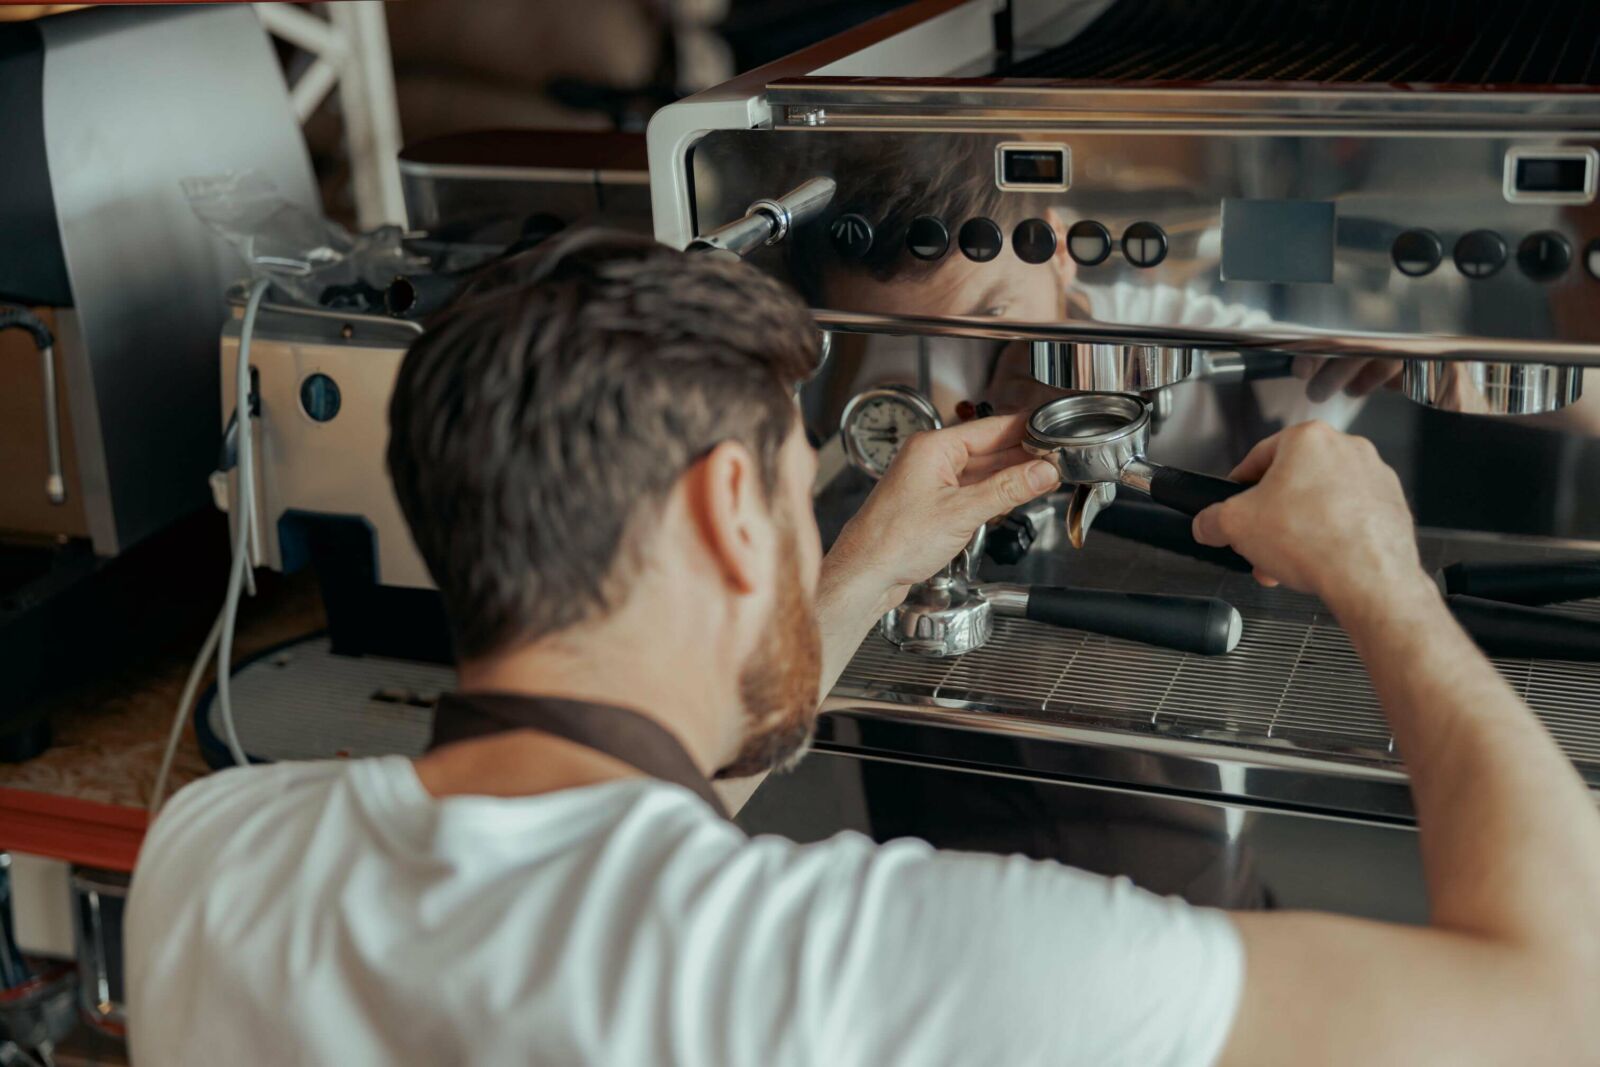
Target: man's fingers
1010, 488
1211, 525
1265, 579
981, 437
1255, 464
980, 467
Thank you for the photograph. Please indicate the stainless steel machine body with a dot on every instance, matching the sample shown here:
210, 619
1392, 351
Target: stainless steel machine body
1326, 208
1137, 193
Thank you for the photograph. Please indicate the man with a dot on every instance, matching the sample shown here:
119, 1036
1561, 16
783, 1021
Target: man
602, 466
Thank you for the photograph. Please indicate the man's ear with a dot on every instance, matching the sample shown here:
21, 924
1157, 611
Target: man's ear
725, 498
1064, 265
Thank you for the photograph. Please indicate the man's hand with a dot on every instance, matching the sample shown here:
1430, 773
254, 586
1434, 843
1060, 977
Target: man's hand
1326, 517
941, 487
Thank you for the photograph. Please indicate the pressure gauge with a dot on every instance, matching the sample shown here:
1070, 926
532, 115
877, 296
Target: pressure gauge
878, 421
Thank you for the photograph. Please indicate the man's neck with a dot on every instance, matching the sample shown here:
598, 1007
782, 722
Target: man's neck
608, 669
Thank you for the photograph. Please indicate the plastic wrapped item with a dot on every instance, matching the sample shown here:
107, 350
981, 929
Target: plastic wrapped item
310, 259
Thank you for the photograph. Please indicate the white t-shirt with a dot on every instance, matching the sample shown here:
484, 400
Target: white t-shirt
336, 913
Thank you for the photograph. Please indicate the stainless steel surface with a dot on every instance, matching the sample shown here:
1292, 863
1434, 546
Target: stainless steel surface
1211, 852
911, 112
1110, 368
147, 277
1288, 717
1492, 388
768, 221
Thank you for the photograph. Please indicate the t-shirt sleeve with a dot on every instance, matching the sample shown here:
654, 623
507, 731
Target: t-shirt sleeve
909, 955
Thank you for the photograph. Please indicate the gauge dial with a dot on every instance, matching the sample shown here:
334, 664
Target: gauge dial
878, 421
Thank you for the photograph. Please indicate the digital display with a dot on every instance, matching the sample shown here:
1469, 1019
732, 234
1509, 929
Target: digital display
1033, 166
1278, 240
1536, 175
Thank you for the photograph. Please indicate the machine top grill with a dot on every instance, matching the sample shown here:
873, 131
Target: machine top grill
1456, 44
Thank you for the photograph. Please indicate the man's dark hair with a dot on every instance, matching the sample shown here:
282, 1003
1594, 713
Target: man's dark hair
543, 418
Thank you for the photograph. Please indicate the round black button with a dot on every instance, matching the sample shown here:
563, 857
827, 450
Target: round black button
1480, 254
1417, 252
851, 236
1034, 241
319, 395
1591, 259
980, 240
1145, 244
1088, 242
927, 237
1544, 256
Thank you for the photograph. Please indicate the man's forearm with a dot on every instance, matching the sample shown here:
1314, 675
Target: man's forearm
1510, 837
850, 601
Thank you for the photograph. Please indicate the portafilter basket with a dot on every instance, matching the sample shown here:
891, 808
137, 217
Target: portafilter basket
1097, 442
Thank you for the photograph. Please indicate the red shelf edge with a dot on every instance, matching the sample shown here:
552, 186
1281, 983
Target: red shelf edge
66, 828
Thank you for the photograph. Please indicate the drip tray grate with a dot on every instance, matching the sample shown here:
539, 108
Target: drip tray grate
1294, 683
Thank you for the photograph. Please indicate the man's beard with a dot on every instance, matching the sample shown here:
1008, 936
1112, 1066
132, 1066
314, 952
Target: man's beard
778, 685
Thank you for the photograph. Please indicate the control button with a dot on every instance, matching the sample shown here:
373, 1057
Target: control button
1034, 241
851, 235
1591, 259
1480, 254
980, 240
319, 396
1088, 242
1417, 252
1544, 256
1145, 244
927, 237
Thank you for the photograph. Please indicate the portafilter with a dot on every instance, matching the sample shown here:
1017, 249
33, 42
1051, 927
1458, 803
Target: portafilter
1097, 442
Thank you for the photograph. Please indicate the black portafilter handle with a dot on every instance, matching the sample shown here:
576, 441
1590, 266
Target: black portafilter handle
1523, 632
1187, 491
1200, 624
1151, 524
1543, 582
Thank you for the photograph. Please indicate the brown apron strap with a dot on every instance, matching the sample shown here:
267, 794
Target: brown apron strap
635, 739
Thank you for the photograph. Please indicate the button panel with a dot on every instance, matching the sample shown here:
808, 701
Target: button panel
851, 236
1144, 244
1034, 241
980, 240
1480, 254
1417, 253
927, 237
1544, 256
1088, 243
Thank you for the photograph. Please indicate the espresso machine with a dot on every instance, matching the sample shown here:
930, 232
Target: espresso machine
1166, 230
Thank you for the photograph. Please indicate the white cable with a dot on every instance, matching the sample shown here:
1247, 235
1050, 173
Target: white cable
241, 539
220, 639
196, 672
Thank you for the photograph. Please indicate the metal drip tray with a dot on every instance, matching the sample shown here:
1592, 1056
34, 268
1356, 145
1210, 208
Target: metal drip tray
1294, 685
